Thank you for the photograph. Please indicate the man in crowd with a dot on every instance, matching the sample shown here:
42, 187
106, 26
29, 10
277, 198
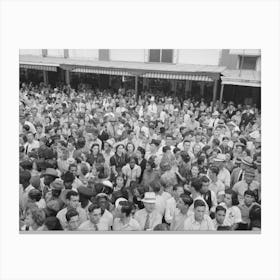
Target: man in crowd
84, 144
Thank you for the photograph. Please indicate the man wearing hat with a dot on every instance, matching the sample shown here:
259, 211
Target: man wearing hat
248, 183
52, 197
152, 109
230, 110
238, 173
106, 217
85, 194
47, 178
213, 122
148, 217
224, 175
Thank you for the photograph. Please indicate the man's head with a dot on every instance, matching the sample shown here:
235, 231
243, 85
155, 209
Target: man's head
205, 184
68, 179
95, 148
72, 218
73, 169
220, 214
249, 197
72, 199
196, 185
199, 210
169, 140
214, 171
30, 137
94, 213
102, 201
177, 191
249, 176
187, 145
184, 202
149, 201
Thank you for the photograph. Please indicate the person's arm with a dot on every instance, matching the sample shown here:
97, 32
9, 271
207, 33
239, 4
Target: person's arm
237, 219
210, 224
214, 202
168, 212
227, 180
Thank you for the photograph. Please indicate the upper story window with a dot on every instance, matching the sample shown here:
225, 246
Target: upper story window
164, 55
248, 62
103, 54
44, 52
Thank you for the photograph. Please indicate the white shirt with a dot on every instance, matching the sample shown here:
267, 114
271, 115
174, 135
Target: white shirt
132, 225
141, 217
205, 224
88, 225
107, 219
170, 210
233, 215
152, 109
160, 204
28, 147
217, 187
224, 177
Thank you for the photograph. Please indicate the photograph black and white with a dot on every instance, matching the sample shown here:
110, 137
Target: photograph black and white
141, 140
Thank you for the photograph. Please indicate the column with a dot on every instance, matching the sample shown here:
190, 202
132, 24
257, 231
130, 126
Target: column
214, 93
221, 94
46, 78
67, 77
202, 85
26, 74
136, 86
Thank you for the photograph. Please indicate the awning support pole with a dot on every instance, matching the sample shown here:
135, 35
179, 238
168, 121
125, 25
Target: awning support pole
221, 95
136, 86
67, 77
45, 76
214, 93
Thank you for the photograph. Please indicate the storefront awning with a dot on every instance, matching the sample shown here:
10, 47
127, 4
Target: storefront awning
178, 77
194, 72
40, 66
248, 78
101, 71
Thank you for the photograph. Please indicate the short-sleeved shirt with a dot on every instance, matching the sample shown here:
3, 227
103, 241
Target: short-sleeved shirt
132, 225
206, 224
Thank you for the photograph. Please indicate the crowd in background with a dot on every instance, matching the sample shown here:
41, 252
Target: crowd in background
102, 160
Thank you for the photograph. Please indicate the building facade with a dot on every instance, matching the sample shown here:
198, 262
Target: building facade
182, 72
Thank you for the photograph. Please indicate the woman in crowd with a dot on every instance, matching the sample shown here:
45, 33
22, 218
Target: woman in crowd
114, 146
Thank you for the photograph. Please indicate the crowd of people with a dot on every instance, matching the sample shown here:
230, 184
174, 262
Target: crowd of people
102, 160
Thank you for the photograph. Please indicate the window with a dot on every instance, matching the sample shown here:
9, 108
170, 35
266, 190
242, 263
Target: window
44, 52
165, 56
66, 53
247, 62
103, 54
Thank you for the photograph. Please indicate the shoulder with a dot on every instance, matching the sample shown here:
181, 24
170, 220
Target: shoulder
84, 225
62, 212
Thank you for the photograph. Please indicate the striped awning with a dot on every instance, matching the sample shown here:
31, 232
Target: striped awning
178, 77
38, 66
102, 71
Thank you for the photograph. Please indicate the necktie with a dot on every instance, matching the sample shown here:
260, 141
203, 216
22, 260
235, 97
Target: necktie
26, 149
240, 176
147, 223
96, 227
